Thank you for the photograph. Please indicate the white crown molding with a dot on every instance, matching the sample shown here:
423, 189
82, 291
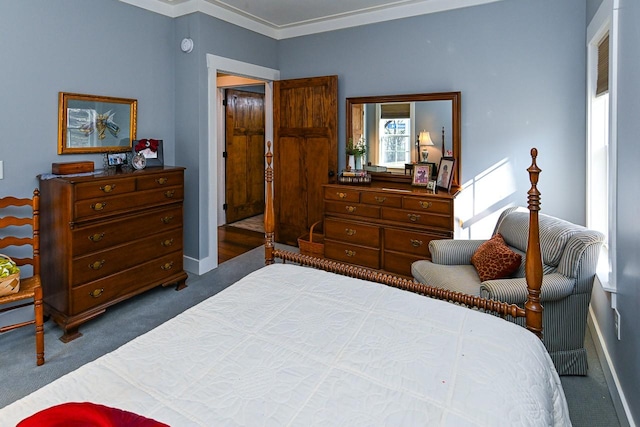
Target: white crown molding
307, 27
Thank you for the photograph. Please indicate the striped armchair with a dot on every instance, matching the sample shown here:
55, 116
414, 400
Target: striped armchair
569, 256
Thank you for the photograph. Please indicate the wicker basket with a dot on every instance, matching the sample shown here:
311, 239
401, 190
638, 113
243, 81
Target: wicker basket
312, 244
10, 284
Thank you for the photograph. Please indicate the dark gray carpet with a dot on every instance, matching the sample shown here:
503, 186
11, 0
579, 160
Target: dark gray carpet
588, 397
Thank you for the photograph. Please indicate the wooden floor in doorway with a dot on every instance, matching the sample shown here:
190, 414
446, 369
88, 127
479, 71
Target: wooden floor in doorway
234, 241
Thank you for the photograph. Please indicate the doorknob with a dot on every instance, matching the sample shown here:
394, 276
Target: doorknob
331, 174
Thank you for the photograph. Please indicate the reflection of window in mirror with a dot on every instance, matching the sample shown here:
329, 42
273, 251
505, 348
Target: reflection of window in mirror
394, 133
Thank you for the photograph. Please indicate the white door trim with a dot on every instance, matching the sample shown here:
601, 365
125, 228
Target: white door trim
211, 183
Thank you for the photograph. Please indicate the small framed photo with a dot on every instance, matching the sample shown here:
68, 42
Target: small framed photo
421, 175
151, 149
434, 171
431, 186
445, 173
117, 159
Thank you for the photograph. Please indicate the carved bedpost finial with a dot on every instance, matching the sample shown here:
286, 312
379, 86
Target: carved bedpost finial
268, 212
533, 263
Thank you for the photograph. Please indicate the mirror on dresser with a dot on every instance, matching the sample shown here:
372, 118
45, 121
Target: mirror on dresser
409, 117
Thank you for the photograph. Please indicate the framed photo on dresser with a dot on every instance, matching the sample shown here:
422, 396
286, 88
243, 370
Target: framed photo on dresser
445, 173
421, 174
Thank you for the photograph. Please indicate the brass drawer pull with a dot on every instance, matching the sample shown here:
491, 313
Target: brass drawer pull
96, 237
162, 181
350, 253
167, 266
96, 265
425, 205
416, 243
350, 231
98, 206
108, 188
166, 219
341, 195
350, 209
380, 199
96, 293
413, 217
169, 194
167, 243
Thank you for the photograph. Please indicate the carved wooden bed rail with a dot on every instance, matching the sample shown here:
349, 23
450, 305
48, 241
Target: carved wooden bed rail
533, 266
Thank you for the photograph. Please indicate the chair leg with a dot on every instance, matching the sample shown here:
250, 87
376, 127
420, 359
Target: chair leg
39, 321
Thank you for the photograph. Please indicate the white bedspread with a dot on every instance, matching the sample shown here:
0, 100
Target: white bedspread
290, 345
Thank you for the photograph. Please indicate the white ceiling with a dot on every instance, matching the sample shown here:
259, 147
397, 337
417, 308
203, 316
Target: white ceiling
282, 19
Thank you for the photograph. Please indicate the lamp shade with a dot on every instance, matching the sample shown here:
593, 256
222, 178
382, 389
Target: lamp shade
425, 138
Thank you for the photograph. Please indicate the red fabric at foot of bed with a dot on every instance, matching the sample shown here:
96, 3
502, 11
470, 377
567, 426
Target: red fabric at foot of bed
86, 414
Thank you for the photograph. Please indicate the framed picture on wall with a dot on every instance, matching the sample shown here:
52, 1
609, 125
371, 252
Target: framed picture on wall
445, 173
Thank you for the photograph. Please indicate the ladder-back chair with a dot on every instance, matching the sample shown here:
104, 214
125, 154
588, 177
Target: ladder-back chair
16, 215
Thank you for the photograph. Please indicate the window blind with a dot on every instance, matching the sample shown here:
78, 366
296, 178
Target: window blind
602, 84
395, 111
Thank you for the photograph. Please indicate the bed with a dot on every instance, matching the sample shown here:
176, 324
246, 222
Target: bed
293, 345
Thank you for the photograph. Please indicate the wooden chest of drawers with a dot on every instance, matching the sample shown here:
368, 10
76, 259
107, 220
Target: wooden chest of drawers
384, 226
107, 237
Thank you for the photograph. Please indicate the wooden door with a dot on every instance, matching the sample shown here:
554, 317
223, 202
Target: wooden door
305, 150
244, 154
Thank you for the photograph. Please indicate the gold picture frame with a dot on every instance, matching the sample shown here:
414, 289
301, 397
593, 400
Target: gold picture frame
421, 174
95, 124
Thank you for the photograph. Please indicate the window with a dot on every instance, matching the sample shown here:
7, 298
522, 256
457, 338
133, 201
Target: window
394, 130
601, 164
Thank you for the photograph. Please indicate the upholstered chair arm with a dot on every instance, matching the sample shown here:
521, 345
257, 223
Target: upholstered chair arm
555, 286
453, 252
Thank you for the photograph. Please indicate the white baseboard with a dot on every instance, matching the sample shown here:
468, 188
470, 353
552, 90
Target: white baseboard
199, 267
617, 395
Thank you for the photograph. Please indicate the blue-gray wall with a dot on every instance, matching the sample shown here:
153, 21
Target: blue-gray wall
520, 65
93, 47
626, 353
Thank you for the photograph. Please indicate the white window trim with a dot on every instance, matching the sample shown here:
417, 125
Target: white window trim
412, 138
606, 20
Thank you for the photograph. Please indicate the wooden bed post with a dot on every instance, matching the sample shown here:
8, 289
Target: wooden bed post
533, 263
269, 222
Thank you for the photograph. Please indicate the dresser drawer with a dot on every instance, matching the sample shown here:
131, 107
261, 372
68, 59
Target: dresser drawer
111, 289
109, 261
352, 254
427, 204
382, 199
110, 233
399, 263
105, 206
104, 188
354, 209
345, 195
352, 232
160, 180
419, 218
411, 242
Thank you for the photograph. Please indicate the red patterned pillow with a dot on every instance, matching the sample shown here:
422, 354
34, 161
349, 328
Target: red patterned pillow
495, 260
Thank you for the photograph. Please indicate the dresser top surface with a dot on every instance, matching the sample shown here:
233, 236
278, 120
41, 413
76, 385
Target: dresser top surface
396, 188
110, 173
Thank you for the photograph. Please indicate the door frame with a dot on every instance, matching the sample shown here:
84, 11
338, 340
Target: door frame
210, 181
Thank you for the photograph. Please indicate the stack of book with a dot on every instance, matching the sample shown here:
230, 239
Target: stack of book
354, 177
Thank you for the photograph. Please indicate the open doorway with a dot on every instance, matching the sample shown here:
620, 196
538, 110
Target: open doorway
210, 178
243, 121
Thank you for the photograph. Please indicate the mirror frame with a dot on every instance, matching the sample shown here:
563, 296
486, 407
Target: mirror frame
454, 97
63, 107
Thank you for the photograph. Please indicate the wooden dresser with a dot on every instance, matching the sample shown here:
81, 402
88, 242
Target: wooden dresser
107, 237
385, 226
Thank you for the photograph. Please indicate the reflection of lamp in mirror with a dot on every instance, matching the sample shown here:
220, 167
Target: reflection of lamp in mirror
425, 142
